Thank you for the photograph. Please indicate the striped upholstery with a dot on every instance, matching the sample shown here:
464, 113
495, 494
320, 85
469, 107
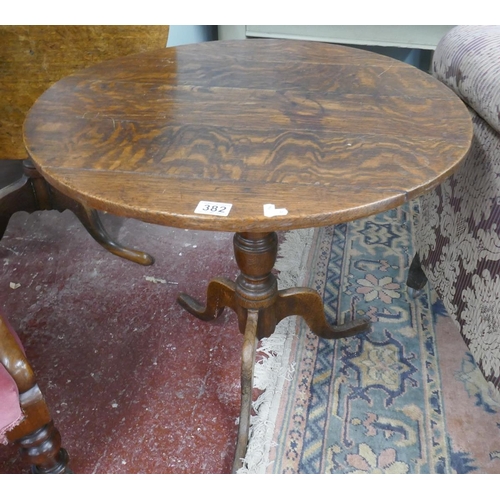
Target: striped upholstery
468, 61
458, 232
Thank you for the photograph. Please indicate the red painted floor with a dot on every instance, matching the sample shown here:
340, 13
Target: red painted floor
135, 384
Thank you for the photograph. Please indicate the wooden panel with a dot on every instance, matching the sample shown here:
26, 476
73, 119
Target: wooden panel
283, 111
204, 150
32, 58
343, 134
155, 199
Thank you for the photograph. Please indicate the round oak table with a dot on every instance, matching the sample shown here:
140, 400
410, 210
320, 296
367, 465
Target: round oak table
251, 137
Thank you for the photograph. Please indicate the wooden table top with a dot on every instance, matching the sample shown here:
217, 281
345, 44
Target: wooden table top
329, 133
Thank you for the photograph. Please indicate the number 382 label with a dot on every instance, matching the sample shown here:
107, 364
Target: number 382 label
213, 208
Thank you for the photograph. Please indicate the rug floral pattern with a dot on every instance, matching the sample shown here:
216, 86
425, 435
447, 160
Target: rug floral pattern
405, 398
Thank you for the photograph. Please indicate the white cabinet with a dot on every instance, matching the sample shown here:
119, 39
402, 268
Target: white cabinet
411, 36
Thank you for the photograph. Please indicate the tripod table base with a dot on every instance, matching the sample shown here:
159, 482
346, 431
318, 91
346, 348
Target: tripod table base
259, 306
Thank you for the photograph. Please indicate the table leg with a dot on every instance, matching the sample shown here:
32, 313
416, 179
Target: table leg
307, 303
220, 294
91, 221
247, 369
259, 306
25, 190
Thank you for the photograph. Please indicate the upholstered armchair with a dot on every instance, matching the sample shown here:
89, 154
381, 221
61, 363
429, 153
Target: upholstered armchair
458, 231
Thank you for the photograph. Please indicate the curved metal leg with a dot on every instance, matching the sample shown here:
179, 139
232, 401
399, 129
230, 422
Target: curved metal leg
247, 369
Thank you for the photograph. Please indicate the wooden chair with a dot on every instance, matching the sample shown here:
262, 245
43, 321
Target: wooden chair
24, 416
32, 58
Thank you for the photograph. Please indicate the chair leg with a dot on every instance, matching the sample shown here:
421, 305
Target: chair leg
42, 450
416, 276
36, 436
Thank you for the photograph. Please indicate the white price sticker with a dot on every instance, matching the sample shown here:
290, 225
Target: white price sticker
213, 208
271, 210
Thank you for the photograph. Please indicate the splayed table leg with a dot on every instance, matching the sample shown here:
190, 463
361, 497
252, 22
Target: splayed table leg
247, 369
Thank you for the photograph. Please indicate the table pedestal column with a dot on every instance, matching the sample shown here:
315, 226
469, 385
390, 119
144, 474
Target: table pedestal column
255, 299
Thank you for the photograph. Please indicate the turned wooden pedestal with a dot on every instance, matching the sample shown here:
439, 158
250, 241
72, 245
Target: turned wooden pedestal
260, 307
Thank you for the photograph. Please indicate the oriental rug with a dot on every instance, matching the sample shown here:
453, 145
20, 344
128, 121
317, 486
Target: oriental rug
406, 398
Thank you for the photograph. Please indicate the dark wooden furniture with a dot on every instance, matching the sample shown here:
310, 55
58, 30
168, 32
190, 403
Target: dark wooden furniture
326, 134
36, 436
32, 58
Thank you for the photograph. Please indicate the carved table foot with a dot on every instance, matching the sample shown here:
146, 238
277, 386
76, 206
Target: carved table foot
91, 221
23, 189
220, 294
259, 306
307, 303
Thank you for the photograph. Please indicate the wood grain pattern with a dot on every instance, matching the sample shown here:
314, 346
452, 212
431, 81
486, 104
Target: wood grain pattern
32, 58
328, 132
